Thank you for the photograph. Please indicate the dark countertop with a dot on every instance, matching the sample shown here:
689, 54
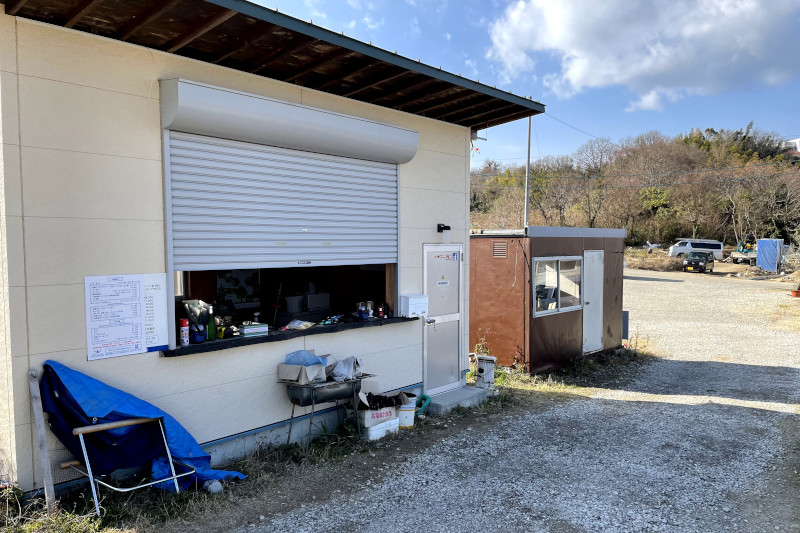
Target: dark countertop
224, 344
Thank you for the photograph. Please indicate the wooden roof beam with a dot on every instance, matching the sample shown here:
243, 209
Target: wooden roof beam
478, 119
279, 51
409, 89
489, 114
439, 93
140, 22
505, 119
291, 51
483, 102
201, 30
414, 98
379, 82
341, 77
250, 40
14, 6
454, 101
327, 58
80, 12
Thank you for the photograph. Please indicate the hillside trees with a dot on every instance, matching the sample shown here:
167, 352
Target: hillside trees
591, 161
552, 190
710, 183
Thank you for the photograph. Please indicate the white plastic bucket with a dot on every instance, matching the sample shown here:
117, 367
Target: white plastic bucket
405, 413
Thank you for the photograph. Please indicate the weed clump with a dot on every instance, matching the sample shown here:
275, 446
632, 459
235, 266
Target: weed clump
20, 516
652, 260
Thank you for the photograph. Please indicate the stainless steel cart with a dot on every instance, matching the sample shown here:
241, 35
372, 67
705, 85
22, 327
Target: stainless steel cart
322, 392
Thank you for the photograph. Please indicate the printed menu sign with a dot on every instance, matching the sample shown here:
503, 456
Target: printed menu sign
156, 322
125, 315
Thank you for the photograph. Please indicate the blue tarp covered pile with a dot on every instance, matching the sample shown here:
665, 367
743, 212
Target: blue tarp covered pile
768, 254
73, 399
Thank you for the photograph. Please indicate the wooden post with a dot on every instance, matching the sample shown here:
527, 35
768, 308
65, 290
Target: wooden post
44, 455
391, 288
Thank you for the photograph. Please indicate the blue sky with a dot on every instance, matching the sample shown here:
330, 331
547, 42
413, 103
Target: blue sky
613, 68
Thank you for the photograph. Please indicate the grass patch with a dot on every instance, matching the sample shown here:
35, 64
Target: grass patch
20, 516
271, 468
150, 510
516, 387
657, 260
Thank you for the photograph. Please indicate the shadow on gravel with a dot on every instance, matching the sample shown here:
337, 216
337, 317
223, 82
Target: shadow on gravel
774, 384
638, 278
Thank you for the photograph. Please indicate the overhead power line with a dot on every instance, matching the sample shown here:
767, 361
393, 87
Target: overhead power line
578, 129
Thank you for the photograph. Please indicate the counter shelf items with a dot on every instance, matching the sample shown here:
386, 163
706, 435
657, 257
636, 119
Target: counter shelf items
321, 392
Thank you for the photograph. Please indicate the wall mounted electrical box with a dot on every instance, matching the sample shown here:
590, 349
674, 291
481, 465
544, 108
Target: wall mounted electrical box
413, 305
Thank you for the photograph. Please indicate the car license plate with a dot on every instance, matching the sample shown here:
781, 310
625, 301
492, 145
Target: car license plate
690, 268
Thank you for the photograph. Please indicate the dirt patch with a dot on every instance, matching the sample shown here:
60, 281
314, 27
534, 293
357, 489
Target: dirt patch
300, 484
787, 317
245, 503
652, 260
774, 499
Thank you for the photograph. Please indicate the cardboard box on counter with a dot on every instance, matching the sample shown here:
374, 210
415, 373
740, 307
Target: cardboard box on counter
302, 375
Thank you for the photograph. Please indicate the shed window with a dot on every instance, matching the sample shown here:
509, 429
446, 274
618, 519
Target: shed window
556, 284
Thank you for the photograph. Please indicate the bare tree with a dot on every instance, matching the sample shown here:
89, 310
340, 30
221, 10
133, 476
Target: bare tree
591, 160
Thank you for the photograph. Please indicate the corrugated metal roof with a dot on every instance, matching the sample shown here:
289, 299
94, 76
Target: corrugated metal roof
247, 37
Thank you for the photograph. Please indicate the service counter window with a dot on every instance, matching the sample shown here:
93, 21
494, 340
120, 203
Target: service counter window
288, 301
556, 284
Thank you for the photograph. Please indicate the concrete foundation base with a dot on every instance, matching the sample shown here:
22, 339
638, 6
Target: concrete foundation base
445, 402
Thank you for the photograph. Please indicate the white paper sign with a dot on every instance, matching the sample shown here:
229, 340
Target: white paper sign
156, 322
115, 321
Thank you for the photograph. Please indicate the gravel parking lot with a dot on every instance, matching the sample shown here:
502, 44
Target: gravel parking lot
703, 438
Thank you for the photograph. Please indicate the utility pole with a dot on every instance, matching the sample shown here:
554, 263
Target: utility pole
527, 179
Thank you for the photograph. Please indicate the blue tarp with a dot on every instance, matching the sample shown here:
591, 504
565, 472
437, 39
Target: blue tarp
103, 402
768, 254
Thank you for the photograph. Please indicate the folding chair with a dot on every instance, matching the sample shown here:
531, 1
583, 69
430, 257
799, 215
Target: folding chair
80, 432
107, 444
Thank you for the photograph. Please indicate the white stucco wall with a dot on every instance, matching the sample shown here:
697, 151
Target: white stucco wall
82, 195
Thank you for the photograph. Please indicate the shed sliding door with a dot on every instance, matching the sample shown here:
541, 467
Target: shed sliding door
242, 205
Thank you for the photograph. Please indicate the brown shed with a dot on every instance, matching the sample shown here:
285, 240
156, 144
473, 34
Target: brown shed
544, 297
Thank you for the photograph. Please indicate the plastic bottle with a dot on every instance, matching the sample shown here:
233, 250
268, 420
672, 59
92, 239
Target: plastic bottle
211, 329
184, 332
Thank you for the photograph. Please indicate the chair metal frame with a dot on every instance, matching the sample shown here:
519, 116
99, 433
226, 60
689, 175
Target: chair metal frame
85, 430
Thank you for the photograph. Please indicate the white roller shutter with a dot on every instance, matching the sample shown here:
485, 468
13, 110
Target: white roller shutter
242, 205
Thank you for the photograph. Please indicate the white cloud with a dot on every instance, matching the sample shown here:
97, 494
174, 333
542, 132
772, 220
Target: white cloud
371, 23
415, 26
472, 68
448, 36
352, 24
313, 6
657, 50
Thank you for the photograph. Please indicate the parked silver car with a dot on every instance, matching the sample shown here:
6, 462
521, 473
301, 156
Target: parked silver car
684, 246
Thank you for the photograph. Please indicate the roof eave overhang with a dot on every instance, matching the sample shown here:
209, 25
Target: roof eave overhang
317, 32
246, 37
